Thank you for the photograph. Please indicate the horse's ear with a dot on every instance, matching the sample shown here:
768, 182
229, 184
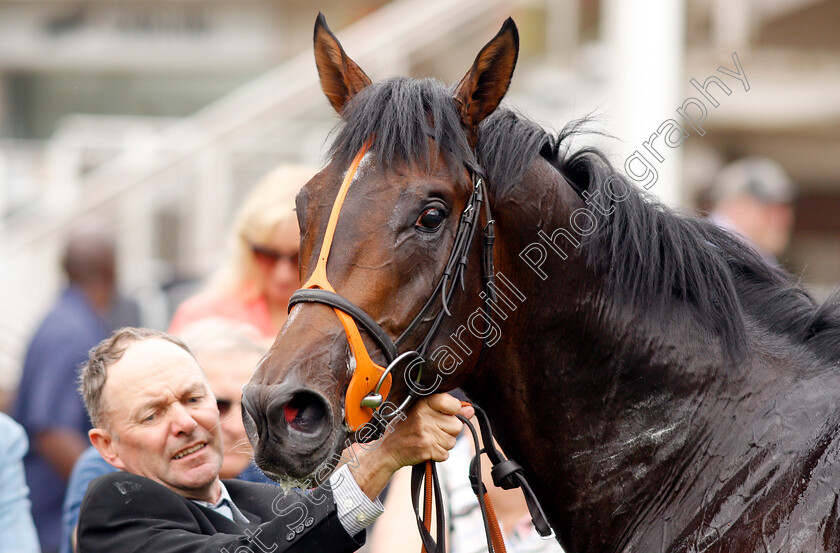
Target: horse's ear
341, 78
487, 81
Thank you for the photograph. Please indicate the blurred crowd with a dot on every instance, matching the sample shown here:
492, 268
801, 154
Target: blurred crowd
228, 326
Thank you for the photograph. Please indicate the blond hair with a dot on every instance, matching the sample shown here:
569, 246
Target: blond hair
272, 201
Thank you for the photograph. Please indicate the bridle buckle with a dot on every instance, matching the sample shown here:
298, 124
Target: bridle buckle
374, 399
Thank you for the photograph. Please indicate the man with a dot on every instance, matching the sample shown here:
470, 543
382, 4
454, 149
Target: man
155, 419
48, 405
753, 197
227, 352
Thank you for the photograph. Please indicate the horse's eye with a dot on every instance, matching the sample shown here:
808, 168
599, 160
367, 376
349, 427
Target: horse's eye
430, 219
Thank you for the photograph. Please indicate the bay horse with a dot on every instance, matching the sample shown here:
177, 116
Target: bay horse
663, 388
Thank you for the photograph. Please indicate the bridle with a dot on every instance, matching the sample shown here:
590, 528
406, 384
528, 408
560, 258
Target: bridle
371, 383
506, 474
364, 400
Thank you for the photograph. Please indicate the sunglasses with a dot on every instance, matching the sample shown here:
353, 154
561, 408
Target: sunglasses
225, 406
269, 257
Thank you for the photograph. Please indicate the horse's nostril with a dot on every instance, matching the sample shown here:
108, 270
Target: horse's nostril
305, 412
291, 412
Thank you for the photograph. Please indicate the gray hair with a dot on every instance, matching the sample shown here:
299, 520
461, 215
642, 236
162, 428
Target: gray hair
221, 335
94, 373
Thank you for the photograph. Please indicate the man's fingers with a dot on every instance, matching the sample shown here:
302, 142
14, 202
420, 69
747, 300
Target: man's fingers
440, 454
444, 403
451, 426
448, 441
429, 432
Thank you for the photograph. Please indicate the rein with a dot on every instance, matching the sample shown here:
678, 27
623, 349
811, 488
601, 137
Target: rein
506, 474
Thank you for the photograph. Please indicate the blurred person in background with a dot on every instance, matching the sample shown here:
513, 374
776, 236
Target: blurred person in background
753, 197
261, 271
48, 406
227, 352
17, 531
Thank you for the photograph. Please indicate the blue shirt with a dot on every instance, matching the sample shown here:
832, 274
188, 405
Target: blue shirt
48, 399
17, 532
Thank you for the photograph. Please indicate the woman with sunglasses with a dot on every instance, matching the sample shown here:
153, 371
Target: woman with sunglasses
261, 272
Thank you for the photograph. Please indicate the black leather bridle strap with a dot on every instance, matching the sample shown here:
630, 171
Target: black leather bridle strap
418, 475
456, 264
316, 295
506, 473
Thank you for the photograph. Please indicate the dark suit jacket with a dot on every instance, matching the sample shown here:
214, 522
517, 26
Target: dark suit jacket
124, 512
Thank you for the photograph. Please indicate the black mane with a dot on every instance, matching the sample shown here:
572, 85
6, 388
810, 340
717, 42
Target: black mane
402, 114
649, 254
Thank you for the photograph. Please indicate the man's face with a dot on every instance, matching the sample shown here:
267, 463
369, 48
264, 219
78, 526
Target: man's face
767, 225
164, 423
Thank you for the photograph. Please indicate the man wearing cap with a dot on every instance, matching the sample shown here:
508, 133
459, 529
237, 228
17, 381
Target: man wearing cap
752, 197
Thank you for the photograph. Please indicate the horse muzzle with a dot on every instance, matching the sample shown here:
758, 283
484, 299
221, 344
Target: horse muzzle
289, 427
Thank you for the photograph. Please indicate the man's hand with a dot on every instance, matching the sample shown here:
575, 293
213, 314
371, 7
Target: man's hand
428, 432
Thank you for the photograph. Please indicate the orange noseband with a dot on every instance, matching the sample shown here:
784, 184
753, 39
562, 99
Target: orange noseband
366, 373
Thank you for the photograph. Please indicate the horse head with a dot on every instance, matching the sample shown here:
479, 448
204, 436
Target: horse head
409, 188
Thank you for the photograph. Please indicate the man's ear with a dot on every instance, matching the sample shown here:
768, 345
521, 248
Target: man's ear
487, 81
341, 78
103, 441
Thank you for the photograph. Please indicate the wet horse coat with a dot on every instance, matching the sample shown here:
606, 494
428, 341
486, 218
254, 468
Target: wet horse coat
663, 388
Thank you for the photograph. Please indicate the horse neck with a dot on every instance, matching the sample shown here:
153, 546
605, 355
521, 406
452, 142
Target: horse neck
557, 396
582, 392
632, 427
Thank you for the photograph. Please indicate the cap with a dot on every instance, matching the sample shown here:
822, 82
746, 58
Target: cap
759, 177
